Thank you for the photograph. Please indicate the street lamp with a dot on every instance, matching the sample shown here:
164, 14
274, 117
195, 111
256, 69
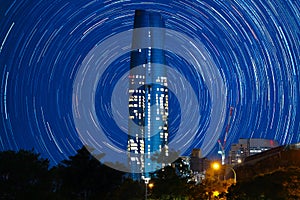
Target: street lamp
217, 166
234, 174
146, 187
147, 184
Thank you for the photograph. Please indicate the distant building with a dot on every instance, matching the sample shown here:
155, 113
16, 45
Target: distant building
268, 161
249, 147
290, 152
197, 162
198, 165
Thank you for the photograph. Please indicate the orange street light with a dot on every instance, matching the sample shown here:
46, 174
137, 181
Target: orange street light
150, 185
216, 165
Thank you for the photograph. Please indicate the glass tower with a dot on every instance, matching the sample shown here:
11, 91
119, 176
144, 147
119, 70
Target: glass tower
148, 96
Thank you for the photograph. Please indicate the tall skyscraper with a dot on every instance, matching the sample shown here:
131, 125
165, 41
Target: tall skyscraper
148, 95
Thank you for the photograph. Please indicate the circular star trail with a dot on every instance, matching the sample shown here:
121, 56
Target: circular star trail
252, 48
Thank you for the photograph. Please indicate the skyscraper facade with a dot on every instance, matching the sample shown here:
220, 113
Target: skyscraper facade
148, 95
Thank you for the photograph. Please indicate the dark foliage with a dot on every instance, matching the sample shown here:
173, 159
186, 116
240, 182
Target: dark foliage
168, 185
130, 190
281, 184
84, 177
24, 175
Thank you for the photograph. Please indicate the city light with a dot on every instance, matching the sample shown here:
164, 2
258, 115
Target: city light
216, 165
151, 185
216, 193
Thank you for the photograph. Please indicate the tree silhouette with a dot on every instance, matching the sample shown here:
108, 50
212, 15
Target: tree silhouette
282, 184
24, 175
168, 185
129, 190
182, 168
84, 177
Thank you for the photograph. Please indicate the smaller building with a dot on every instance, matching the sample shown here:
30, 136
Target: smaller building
198, 166
268, 161
249, 147
197, 162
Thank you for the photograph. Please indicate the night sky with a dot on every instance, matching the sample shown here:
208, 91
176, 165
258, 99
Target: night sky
64, 69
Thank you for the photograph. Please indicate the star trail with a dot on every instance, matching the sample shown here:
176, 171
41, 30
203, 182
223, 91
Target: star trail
56, 56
